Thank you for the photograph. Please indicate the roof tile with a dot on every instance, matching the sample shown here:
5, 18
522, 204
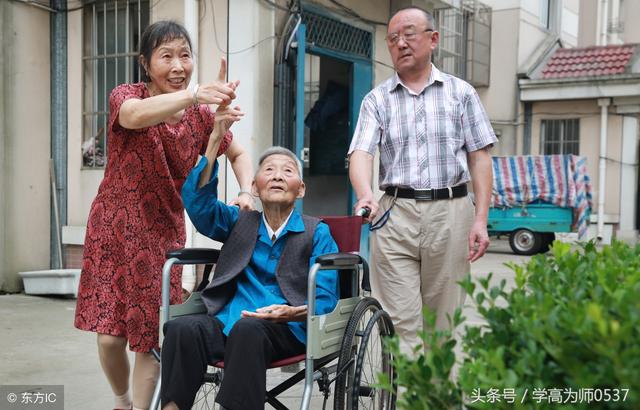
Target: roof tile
589, 62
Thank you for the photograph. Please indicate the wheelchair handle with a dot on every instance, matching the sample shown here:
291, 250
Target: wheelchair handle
363, 212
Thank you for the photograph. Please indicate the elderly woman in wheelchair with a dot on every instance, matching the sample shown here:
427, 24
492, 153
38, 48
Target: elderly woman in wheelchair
256, 302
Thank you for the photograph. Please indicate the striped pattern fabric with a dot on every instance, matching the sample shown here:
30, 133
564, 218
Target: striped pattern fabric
423, 137
561, 180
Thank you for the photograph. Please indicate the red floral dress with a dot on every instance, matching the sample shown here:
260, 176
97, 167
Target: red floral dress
135, 218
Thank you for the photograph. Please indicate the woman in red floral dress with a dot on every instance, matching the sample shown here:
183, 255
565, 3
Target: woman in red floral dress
157, 129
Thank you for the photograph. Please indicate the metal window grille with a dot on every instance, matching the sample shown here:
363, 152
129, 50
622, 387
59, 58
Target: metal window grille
449, 55
464, 49
560, 137
477, 19
111, 32
332, 34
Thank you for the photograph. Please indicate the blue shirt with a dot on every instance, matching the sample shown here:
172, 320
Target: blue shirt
257, 286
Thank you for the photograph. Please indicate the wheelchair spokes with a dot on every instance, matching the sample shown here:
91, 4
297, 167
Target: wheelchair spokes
371, 361
362, 358
205, 398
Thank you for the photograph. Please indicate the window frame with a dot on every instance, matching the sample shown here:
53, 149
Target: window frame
100, 64
566, 134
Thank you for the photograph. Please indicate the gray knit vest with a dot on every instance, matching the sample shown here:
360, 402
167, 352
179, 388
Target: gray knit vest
291, 273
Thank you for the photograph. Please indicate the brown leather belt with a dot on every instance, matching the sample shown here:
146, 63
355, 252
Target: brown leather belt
428, 194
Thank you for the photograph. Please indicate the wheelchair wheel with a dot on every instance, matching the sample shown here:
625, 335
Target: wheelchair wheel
205, 398
363, 358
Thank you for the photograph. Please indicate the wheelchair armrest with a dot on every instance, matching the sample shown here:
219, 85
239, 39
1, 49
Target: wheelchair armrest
339, 259
193, 256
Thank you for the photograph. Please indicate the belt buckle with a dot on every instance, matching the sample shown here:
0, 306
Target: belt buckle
423, 194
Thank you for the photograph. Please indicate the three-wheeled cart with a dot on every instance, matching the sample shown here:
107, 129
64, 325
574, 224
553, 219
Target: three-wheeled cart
536, 196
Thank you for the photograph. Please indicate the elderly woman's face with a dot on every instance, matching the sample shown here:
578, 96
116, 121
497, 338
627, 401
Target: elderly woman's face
278, 181
171, 66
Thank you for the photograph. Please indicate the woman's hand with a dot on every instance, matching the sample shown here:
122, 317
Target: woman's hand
220, 91
244, 201
279, 313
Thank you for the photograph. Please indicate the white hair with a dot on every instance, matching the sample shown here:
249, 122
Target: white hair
276, 150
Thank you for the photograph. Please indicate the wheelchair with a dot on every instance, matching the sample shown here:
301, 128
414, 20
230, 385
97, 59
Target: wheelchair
344, 349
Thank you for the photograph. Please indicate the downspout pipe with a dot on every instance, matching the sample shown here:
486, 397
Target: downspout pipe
604, 117
58, 70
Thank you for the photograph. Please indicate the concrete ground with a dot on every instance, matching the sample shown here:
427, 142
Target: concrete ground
40, 346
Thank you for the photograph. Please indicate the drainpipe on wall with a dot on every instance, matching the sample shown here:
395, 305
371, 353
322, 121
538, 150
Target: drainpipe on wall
526, 138
604, 24
604, 113
58, 69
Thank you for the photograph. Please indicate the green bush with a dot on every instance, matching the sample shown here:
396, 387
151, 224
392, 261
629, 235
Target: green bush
571, 322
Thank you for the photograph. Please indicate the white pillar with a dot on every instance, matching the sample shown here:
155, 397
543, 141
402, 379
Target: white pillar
604, 24
604, 122
615, 19
629, 179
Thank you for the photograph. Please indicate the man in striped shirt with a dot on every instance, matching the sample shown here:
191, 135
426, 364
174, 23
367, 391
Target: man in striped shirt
433, 135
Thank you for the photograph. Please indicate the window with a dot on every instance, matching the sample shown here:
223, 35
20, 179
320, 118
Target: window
111, 31
464, 49
560, 137
545, 9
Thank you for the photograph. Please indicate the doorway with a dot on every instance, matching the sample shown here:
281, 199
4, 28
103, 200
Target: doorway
327, 135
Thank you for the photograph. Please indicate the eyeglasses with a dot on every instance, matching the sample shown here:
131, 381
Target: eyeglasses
407, 35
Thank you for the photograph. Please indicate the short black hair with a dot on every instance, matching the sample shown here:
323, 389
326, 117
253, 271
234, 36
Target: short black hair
157, 34
428, 16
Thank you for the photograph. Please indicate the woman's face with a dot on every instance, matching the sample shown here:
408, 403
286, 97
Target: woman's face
170, 67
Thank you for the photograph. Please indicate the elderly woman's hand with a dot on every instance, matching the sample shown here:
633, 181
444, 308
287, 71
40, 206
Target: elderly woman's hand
279, 313
225, 117
245, 201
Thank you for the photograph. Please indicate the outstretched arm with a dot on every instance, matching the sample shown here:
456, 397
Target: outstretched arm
141, 113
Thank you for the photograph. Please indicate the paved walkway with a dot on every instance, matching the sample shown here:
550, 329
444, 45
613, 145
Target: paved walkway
39, 345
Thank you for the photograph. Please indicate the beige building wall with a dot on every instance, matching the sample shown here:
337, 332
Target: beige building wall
587, 27
588, 112
501, 96
25, 142
628, 17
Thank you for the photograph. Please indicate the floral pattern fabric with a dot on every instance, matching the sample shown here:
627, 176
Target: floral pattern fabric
135, 218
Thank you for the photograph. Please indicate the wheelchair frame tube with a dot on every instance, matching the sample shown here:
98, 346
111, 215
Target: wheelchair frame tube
166, 288
165, 303
311, 310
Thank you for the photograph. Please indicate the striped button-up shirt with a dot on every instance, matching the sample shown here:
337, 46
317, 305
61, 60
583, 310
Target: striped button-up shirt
423, 137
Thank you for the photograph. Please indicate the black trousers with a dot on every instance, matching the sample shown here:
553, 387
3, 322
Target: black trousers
192, 342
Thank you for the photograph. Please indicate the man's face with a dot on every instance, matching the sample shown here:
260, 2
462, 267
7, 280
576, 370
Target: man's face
409, 44
278, 181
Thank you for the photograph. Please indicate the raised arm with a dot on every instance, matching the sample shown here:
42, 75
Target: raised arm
243, 169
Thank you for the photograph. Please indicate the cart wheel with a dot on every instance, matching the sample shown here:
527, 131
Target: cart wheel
362, 358
547, 240
525, 242
206, 395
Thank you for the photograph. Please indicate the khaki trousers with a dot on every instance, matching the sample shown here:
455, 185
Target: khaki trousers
417, 258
